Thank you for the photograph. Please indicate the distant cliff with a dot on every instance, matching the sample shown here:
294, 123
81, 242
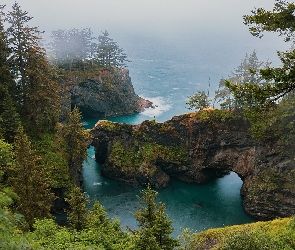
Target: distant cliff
195, 148
109, 94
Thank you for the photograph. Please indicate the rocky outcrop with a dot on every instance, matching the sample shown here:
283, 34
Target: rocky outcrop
196, 148
109, 94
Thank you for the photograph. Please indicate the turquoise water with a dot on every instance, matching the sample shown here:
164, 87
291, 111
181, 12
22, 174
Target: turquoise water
167, 72
215, 204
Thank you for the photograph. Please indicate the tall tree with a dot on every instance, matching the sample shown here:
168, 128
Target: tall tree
72, 48
6, 78
36, 93
272, 106
247, 72
78, 212
75, 140
281, 80
9, 118
108, 54
29, 180
155, 227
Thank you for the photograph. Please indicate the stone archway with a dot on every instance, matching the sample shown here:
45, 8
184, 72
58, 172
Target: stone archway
196, 150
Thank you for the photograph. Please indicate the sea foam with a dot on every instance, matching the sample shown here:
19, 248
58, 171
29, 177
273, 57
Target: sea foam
159, 107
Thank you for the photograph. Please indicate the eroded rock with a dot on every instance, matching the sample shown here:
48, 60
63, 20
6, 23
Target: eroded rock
196, 148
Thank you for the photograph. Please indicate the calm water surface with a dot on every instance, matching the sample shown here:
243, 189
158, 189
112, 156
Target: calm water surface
167, 72
215, 204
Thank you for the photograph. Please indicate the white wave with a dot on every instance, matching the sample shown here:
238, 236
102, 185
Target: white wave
175, 88
159, 107
146, 60
97, 183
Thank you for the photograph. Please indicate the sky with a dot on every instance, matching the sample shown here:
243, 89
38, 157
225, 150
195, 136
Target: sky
162, 18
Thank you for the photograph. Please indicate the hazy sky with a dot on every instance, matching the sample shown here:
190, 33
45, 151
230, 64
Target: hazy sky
167, 18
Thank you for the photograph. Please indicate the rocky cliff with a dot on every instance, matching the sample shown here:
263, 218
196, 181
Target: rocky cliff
109, 94
195, 148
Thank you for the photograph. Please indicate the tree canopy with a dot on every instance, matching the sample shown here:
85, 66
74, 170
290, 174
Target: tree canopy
280, 80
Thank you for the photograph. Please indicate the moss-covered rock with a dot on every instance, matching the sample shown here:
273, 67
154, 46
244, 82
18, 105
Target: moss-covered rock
197, 147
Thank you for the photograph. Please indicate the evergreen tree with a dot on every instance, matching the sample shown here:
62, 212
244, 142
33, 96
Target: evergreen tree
36, 93
6, 78
199, 100
108, 54
75, 136
29, 181
247, 72
9, 118
155, 227
71, 48
281, 80
78, 212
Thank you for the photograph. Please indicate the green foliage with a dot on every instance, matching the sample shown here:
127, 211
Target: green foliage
280, 81
50, 149
108, 54
29, 180
32, 83
75, 142
78, 212
6, 159
246, 73
71, 47
76, 50
199, 100
9, 118
11, 236
280, 19
99, 232
142, 159
277, 234
155, 227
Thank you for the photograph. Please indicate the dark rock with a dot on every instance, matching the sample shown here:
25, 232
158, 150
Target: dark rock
196, 148
110, 94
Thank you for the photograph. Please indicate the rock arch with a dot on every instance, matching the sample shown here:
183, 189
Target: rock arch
195, 149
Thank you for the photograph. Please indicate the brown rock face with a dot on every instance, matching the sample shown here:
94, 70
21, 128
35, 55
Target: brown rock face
195, 148
110, 94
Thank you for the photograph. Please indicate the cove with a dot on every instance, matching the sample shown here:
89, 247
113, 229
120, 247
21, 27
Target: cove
199, 207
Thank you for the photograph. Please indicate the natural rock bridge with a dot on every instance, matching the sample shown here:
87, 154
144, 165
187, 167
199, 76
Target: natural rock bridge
197, 147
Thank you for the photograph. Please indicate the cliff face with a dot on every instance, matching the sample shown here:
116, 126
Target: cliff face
195, 148
110, 94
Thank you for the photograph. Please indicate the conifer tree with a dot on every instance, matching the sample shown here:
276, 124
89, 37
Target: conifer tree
29, 181
246, 73
155, 227
9, 118
36, 93
78, 212
75, 136
108, 53
6, 78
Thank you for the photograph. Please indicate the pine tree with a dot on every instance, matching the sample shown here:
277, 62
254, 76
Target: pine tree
78, 212
155, 227
246, 73
75, 136
36, 93
9, 118
29, 181
108, 54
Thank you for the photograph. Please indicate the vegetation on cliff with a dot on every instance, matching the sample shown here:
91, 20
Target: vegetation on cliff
42, 154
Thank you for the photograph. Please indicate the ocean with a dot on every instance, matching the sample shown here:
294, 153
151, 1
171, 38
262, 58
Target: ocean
166, 71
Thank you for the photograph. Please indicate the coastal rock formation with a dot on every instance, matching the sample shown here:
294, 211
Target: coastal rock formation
109, 94
196, 148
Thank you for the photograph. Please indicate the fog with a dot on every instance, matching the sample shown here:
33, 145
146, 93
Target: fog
162, 18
